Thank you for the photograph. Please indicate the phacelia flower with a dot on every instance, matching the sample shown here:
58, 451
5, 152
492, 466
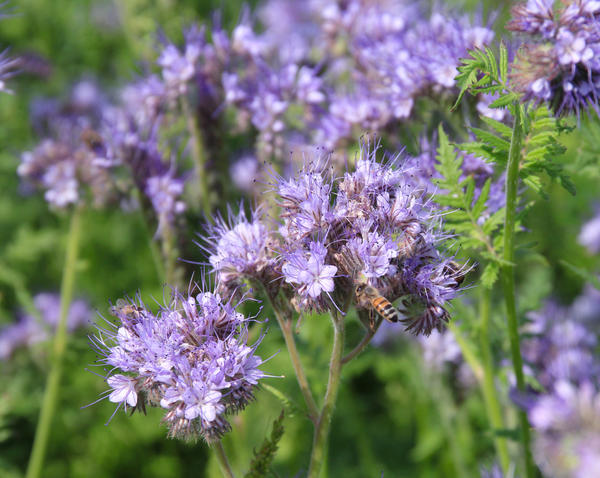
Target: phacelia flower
372, 225
190, 358
560, 66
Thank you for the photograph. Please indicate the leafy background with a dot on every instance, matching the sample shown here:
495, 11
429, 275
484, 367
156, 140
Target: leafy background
394, 415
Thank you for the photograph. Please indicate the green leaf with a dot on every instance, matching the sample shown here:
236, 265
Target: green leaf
503, 63
583, 274
491, 139
497, 126
479, 205
504, 100
490, 274
263, 458
289, 404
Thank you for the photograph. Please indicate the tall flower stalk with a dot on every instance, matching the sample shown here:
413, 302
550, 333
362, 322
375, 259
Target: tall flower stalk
508, 275
59, 346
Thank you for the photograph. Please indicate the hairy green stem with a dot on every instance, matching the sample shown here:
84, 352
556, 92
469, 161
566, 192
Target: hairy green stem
371, 331
51, 393
488, 386
284, 320
217, 448
321, 435
508, 276
198, 157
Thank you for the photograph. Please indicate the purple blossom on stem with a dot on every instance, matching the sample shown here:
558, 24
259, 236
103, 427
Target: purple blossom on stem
28, 330
371, 225
190, 358
561, 65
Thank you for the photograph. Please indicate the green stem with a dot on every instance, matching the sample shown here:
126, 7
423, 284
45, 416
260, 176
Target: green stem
169, 253
371, 331
217, 448
42, 433
198, 157
508, 276
321, 435
468, 352
488, 387
285, 324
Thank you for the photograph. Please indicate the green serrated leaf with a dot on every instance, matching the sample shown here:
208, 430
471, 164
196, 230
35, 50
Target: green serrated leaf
491, 139
504, 100
490, 274
497, 126
479, 205
263, 458
503, 63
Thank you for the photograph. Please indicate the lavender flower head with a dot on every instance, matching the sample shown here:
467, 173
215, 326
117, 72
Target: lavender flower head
70, 163
567, 425
560, 66
29, 330
558, 345
190, 358
370, 226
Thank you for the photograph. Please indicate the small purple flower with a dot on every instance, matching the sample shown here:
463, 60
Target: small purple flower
560, 65
308, 271
190, 358
240, 250
29, 330
164, 193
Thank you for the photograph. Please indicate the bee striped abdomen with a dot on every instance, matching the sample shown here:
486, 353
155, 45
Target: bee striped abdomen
385, 308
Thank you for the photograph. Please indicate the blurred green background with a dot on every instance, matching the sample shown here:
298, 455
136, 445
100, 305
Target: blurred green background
394, 416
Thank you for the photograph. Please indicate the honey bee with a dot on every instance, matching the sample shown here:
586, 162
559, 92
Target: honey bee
367, 293
122, 307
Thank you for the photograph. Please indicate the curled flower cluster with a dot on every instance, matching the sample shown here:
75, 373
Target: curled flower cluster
191, 358
29, 330
562, 66
373, 225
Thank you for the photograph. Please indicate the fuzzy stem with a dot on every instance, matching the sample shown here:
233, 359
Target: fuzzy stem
51, 393
508, 276
217, 448
198, 157
333, 384
285, 324
363, 343
488, 387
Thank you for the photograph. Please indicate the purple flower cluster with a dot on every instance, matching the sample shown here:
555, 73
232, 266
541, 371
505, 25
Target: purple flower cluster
560, 342
567, 422
380, 58
190, 358
559, 346
29, 330
561, 64
108, 149
71, 159
373, 225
